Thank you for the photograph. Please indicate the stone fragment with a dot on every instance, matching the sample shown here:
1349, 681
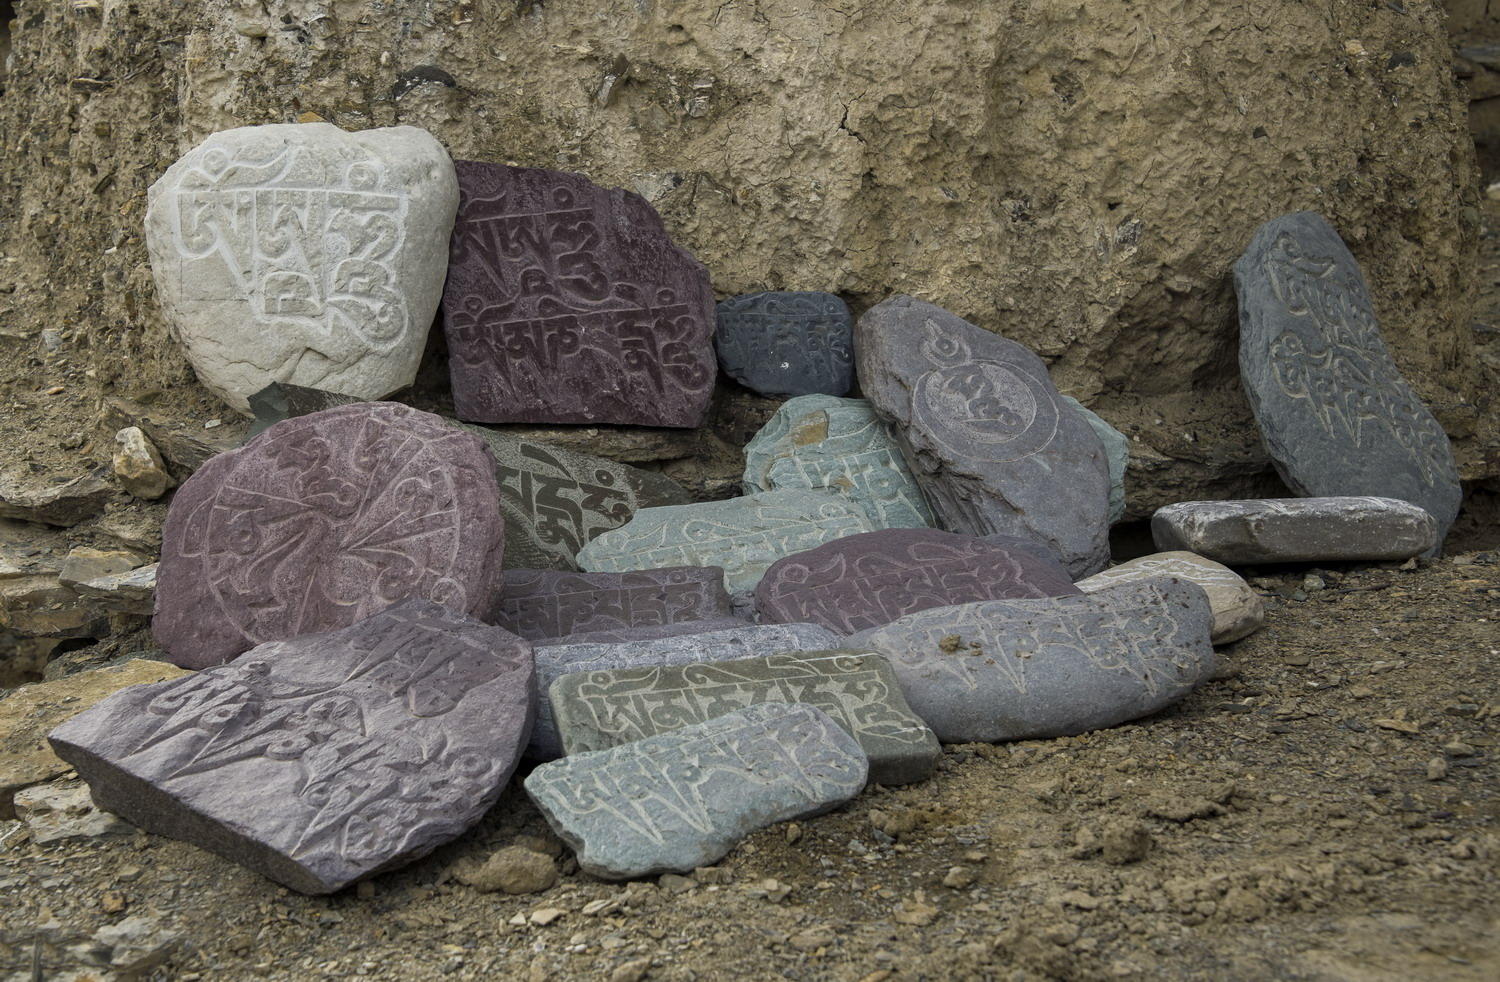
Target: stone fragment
1032, 669
86, 563
184, 448
864, 581
323, 759
305, 254
567, 302
279, 401
138, 465
599, 709
25, 497
322, 520
130, 592
1237, 609
40, 606
553, 661
540, 605
786, 343
985, 431
135, 945
514, 870
1116, 455
743, 535
680, 800
1296, 530
821, 443
65, 811
1336, 416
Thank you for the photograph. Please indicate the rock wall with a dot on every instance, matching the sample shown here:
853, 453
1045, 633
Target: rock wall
1475, 27
1077, 176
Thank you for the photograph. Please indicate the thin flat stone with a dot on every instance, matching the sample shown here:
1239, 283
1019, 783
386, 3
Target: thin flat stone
1237, 609
651, 632
864, 581
280, 400
131, 592
24, 497
985, 431
1296, 530
682, 800
540, 605
821, 443
1032, 669
567, 302
600, 709
1336, 415
786, 343
1116, 455
324, 759
743, 535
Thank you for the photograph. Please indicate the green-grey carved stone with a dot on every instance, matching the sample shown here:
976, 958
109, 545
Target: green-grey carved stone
1116, 455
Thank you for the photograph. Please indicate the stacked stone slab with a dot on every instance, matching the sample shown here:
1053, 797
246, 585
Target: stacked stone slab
544, 604
1237, 609
1296, 530
784, 343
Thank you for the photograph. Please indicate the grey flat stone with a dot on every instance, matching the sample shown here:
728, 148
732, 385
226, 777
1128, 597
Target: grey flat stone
282, 400
131, 592
1116, 455
651, 632
1027, 669
985, 431
1337, 417
786, 343
1237, 609
1296, 530
821, 443
540, 605
681, 800
595, 710
25, 497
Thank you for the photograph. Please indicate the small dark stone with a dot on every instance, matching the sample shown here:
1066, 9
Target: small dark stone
787, 344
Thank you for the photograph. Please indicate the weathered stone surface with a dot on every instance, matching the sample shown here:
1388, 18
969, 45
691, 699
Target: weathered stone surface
23, 496
786, 343
1023, 669
743, 535
130, 592
651, 632
567, 302
542, 604
985, 432
302, 253
863, 581
1237, 609
1116, 455
599, 709
138, 465
40, 606
1293, 530
822, 443
65, 811
322, 759
322, 520
553, 661
681, 800
1337, 417
184, 448
280, 400
85, 563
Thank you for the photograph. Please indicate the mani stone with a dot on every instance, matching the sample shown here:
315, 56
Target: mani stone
599, 709
743, 535
1033, 669
1296, 530
553, 661
323, 759
1237, 609
682, 800
323, 520
541, 605
652, 632
985, 432
783, 344
822, 443
864, 581
1335, 413
567, 302
1116, 455
304, 254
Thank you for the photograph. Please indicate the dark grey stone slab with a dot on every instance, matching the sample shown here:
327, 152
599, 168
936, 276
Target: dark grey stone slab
1116, 455
681, 800
1335, 413
600, 709
985, 431
786, 343
282, 400
651, 632
1028, 669
1296, 530
545, 604
323, 759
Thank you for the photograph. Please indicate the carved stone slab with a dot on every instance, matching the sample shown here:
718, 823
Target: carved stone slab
681, 800
864, 581
1027, 669
600, 709
553, 661
544, 604
784, 344
985, 431
821, 443
323, 759
1335, 413
1116, 455
322, 520
652, 632
1296, 530
1237, 609
743, 535
568, 303
301, 253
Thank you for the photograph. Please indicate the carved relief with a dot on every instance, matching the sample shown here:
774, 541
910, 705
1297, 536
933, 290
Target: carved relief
786, 343
543, 604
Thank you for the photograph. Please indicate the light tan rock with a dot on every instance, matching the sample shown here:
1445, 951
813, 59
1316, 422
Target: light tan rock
1237, 609
65, 811
85, 563
139, 466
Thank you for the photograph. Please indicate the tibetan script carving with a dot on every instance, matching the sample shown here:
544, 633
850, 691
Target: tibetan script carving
787, 344
544, 604
1237, 609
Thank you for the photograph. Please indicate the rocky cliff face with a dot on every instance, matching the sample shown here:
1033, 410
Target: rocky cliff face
1076, 176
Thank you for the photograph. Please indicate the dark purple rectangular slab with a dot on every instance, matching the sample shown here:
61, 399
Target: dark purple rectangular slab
543, 604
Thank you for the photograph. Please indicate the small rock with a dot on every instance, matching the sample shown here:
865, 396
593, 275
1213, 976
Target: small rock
65, 811
1457, 748
545, 916
915, 913
136, 944
1124, 841
1399, 725
512, 870
139, 466
84, 564
675, 883
113, 902
958, 878
1079, 899
632, 971
1437, 769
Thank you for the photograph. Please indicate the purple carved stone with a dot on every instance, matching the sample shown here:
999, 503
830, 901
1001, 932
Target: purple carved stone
543, 604
864, 581
567, 302
323, 759
323, 520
